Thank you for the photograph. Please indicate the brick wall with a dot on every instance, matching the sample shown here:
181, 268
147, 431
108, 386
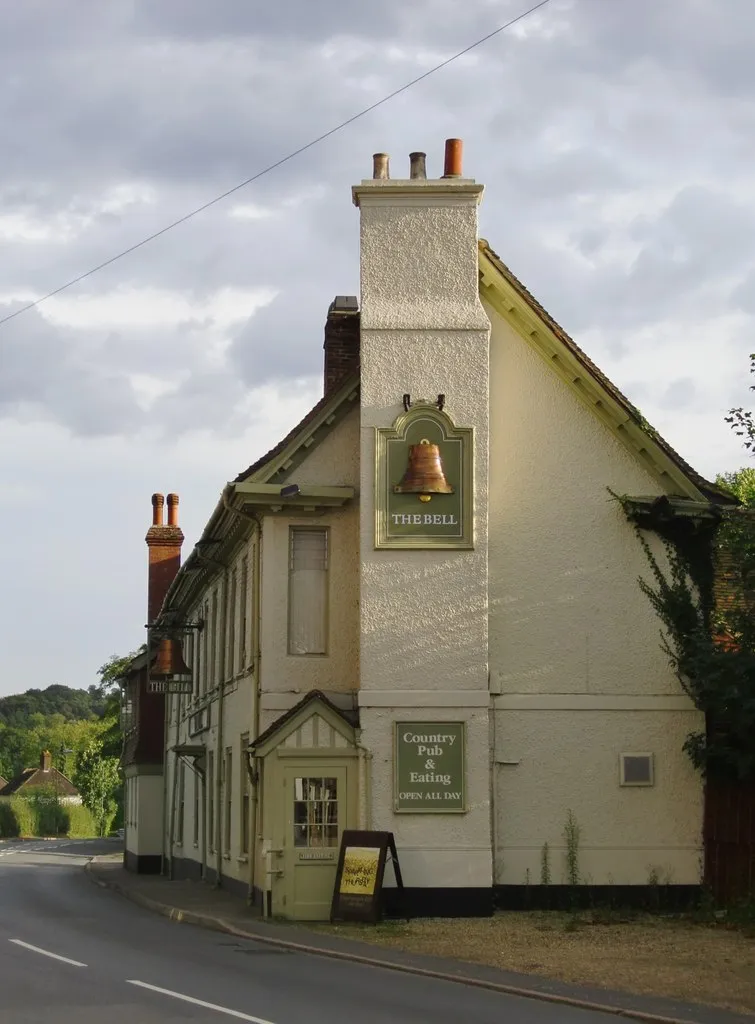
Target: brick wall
341, 344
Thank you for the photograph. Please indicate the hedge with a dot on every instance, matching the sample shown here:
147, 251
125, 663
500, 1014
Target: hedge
41, 815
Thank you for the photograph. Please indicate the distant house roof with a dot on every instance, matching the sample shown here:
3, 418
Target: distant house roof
36, 778
3, 783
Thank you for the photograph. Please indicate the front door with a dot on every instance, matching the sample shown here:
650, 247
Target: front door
318, 807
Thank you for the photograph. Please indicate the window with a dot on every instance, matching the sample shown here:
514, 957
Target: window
315, 812
181, 805
228, 794
211, 799
244, 790
214, 646
188, 656
243, 612
205, 648
308, 591
231, 667
196, 809
636, 769
128, 718
197, 664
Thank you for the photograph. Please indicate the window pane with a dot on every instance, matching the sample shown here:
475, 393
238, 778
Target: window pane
315, 819
308, 592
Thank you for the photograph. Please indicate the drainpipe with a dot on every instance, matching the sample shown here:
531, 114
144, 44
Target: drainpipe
365, 786
253, 765
492, 733
204, 821
256, 815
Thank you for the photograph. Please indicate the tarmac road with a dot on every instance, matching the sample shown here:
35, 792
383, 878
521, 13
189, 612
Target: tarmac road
73, 953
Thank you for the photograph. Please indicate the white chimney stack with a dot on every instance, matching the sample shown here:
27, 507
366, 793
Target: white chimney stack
424, 612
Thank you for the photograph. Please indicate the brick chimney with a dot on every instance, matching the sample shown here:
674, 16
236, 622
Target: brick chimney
164, 542
341, 340
45, 761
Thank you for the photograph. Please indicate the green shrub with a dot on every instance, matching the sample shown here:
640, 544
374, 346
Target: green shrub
17, 818
80, 822
40, 814
8, 822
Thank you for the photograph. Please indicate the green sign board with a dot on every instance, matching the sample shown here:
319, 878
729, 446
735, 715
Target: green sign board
424, 482
429, 767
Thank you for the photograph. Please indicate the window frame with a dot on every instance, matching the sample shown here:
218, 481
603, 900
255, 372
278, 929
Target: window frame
294, 531
227, 783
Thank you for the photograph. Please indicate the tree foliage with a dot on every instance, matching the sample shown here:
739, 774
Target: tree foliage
97, 778
21, 747
741, 419
63, 720
73, 705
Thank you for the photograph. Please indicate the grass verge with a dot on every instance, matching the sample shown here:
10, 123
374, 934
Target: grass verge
675, 957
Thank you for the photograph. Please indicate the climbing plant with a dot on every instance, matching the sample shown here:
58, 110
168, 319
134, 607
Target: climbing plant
703, 597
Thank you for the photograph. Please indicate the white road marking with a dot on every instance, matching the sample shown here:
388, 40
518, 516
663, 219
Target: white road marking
200, 1002
45, 952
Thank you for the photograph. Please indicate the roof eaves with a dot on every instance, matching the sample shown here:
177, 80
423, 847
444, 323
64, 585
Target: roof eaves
317, 422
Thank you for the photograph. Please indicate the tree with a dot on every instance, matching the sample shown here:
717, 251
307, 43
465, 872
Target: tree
111, 676
115, 668
73, 705
741, 483
97, 778
741, 420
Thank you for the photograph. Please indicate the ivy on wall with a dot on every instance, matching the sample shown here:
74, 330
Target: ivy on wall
704, 597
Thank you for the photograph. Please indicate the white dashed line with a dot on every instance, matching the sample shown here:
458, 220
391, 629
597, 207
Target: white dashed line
200, 1002
46, 952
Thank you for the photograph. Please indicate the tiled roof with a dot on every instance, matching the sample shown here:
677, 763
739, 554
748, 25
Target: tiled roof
3, 783
34, 778
711, 491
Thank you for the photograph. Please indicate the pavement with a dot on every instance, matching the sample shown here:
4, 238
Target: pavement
195, 903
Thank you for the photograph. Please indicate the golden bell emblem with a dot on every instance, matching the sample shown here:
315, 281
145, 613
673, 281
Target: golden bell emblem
424, 474
169, 662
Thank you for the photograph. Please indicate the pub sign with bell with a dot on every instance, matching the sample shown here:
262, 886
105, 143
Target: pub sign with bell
424, 481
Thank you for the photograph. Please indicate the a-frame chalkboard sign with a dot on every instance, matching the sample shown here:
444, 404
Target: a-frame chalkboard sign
357, 894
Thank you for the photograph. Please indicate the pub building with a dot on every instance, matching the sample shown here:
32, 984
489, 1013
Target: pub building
418, 613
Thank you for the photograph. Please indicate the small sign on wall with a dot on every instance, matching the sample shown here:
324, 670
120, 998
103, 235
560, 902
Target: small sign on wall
424, 482
429, 768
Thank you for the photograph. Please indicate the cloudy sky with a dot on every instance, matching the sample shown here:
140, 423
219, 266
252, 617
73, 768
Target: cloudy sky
616, 139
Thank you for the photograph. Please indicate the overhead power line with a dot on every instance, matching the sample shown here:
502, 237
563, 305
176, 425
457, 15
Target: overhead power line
278, 163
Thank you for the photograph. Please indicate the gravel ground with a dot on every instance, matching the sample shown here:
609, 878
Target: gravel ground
659, 956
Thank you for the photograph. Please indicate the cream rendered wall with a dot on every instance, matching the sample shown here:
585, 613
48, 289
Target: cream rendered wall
286, 678
144, 839
335, 461
237, 717
424, 613
575, 658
